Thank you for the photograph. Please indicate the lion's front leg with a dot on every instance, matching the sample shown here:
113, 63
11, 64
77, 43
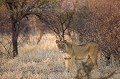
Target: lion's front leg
67, 65
67, 59
70, 68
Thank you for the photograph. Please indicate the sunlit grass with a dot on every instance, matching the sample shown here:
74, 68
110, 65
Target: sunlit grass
44, 61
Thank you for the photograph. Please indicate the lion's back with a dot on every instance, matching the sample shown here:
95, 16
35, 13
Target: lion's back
82, 51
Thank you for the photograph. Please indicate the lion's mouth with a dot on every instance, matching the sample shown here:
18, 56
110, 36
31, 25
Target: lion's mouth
67, 58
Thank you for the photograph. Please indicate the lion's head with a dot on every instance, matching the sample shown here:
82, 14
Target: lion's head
61, 45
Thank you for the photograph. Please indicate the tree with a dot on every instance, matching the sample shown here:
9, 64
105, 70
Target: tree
19, 10
57, 18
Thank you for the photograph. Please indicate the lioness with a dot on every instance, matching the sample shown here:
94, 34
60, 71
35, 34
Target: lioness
80, 52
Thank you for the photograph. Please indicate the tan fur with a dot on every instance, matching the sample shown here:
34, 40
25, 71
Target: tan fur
89, 50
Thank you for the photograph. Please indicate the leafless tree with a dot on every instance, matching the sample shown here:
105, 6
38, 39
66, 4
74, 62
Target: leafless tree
57, 19
18, 10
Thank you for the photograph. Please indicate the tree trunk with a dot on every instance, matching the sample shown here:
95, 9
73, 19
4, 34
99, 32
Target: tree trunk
14, 43
14, 37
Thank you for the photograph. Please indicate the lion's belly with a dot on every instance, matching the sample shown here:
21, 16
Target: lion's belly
81, 53
81, 57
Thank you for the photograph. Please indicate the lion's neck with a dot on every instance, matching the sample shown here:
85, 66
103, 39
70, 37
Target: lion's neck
68, 48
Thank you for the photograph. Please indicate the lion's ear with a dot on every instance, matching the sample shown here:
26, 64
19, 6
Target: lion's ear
57, 41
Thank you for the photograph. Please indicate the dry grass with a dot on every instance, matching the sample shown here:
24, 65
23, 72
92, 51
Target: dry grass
44, 61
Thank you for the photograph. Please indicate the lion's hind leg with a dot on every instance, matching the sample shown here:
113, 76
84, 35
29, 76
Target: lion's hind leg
93, 55
93, 60
89, 60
